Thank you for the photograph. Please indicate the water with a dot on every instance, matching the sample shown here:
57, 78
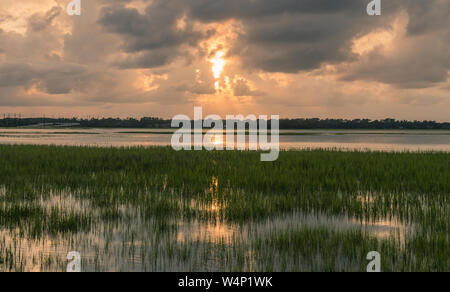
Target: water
133, 244
375, 140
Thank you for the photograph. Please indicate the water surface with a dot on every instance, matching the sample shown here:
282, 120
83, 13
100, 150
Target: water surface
375, 140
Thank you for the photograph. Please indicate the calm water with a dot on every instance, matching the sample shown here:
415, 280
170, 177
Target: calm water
133, 243
381, 140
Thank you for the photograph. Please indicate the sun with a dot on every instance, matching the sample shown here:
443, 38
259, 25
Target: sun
218, 64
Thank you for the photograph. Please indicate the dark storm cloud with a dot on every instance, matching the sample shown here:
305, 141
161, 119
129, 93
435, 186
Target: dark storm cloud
428, 16
149, 59
154, 36
218, 10
294, 43
286, 36
91, 58
290, 35
280, 36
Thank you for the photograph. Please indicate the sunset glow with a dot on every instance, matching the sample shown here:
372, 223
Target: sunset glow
218, 64
202, 137
137, 58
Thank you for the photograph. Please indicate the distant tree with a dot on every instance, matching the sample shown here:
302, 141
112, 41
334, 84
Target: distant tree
300, 123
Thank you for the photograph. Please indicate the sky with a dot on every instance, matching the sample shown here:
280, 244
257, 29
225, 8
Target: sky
293, 58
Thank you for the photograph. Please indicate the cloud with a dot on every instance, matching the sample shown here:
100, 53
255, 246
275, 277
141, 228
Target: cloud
415, 63
15, 74
282, 36
40, 21
241, 87
288, 36
4, 16
418, 56
54, 78
427, 16
316, 56
152, 39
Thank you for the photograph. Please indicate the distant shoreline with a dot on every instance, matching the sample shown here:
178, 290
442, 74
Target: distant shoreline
162, 124
170, 131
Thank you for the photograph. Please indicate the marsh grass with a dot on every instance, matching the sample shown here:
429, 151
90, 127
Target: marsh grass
133, 203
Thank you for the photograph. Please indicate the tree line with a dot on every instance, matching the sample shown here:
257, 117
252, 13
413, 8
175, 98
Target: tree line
152, 122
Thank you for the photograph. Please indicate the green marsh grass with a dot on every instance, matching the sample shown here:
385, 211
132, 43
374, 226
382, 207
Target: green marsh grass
155, 209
